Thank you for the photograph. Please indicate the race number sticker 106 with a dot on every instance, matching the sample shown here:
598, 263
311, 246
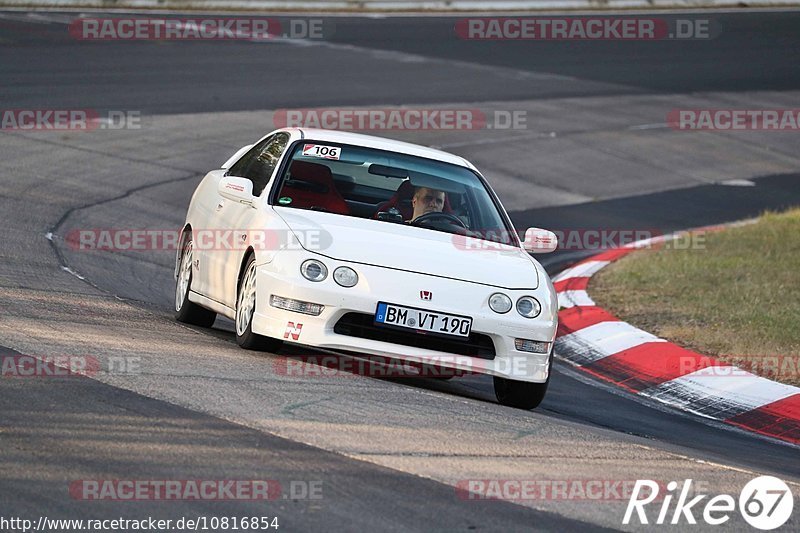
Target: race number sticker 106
320, 150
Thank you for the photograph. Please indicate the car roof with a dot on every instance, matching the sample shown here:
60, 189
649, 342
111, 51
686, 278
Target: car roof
381, 143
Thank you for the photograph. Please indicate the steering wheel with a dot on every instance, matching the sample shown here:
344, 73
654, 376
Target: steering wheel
437, 214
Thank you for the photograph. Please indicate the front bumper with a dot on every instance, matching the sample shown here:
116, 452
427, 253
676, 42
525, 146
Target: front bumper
282, 278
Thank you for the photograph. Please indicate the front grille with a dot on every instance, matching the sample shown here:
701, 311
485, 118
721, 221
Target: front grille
362, 325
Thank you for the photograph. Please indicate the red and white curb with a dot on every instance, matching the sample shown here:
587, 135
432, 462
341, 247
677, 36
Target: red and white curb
596, 342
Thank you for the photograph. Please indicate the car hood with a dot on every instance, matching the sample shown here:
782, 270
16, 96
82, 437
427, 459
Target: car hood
412, 249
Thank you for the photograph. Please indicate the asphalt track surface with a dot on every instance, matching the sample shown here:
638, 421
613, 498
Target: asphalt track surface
387, 452
753, 51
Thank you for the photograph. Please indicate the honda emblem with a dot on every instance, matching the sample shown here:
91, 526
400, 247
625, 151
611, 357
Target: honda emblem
425, 295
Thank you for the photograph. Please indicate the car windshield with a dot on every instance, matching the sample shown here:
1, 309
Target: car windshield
390, 187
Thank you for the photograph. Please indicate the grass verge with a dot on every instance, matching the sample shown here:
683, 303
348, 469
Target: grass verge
734, 294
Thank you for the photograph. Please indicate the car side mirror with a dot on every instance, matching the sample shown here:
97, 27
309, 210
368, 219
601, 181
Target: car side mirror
235, 157
540, 241
236, 189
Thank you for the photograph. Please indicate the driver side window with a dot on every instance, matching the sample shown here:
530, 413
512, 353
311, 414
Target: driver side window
260, 162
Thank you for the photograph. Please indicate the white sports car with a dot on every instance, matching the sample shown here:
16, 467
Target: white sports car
369, 246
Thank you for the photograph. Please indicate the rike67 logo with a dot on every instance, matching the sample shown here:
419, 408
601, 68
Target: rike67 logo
765, 503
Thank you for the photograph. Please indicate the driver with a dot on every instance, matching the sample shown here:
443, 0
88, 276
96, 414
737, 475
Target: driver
425, 201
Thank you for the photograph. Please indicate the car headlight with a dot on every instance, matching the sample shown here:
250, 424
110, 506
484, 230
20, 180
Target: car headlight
345, 276
529, 307
314, 270
500, 303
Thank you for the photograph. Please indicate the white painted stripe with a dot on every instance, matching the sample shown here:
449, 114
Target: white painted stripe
582, 270
657, 125
573, 351
573, 298
606, 338
613, 337
646, 243
720, 392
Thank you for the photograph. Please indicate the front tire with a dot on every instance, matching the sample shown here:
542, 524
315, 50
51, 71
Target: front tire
522, 394
187, 311
245, 310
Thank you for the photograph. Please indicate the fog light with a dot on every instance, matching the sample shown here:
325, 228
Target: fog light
500, 303
345, 276
525, 345
307, 308
529, 307
314, 270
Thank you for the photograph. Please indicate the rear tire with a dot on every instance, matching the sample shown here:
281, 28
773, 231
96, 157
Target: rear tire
187, 311
522, 394
245, 310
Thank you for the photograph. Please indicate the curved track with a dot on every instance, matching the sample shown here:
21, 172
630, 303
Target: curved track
595, 153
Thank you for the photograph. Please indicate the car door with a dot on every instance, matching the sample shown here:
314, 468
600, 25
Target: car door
201, 212
233, 222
